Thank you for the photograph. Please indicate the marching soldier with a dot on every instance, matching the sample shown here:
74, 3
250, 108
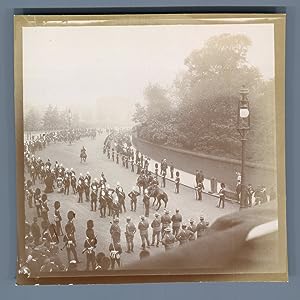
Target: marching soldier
89, 248
129, 233
115, 231
176, 221
117, 158
70, 242
156, 228
57, 218
177, 183
146, 201
169, 239
143, 228
165, 221
133, 196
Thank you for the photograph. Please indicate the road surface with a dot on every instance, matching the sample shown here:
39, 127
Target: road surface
96, 163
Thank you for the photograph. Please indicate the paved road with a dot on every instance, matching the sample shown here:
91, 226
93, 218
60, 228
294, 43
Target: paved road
222, 171
96, 163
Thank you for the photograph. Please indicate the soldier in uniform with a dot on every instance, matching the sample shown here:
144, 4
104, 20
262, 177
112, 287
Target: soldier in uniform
146, 201
86, 185
192, 228
117, 158
129, 234
184, 235
113, 154
115, 251
156, 229
115, 231
133, 196
143, 228
177, 183
199, 188
70, 242
73, 183
121, 197
168, 239
163, 183
80, 190
176, 221
132, 164
156, 169
57, 218
94, 194
89, 248
44, 208
35, 231
222, 196
201, 227
102, 203
71, 217
165, 221
66, 184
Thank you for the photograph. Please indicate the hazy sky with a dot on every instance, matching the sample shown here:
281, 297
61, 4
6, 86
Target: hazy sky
111, 65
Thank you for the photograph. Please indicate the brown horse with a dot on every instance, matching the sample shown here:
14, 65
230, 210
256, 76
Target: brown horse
158, 195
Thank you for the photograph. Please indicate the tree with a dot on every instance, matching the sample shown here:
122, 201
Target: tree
32, 120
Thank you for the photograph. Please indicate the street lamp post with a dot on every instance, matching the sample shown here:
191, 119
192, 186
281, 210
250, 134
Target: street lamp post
243, 126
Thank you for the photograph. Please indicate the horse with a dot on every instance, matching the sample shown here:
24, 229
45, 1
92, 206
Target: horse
83, 155
158, 195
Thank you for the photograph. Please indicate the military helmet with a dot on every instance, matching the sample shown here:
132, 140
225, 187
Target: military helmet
71, 215
56, 204
90, 224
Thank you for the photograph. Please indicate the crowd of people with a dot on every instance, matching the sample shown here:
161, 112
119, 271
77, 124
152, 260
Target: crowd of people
42, 177
43, 235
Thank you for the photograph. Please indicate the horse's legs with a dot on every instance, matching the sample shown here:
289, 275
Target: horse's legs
166, 201
159, 204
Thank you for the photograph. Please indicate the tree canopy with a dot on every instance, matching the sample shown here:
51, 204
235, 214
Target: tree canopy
201, 114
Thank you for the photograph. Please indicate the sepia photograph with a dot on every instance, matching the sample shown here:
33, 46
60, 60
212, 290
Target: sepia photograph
150, 145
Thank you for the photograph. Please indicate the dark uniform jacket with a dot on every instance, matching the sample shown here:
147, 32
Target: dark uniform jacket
143, 227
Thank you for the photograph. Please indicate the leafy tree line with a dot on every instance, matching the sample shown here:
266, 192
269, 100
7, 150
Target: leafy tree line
199, 112
51, 119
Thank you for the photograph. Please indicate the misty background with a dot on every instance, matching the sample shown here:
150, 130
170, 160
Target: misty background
100, 72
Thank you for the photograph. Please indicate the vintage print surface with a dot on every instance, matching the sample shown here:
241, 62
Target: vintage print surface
150, 148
